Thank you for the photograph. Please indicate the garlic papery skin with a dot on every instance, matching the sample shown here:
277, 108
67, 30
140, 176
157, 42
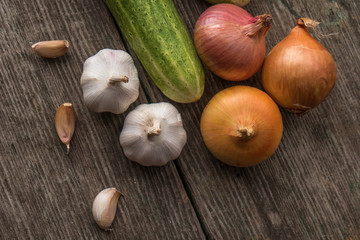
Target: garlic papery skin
153, 134
110, 81
104, 207
51, 49
65, 123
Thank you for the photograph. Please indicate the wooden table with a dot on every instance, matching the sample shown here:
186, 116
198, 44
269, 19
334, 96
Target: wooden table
309, 189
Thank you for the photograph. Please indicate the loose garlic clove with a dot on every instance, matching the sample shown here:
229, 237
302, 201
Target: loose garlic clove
65, 123
110, 81
153, 134
51, 49
104, 207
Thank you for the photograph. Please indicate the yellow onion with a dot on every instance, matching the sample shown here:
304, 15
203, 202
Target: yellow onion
241, 126
239, 3
299, 73
231, 42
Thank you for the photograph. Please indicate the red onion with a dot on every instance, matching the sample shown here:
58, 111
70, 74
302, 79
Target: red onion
230, 41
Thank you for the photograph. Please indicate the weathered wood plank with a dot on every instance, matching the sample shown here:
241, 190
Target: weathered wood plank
46, 194
310, 188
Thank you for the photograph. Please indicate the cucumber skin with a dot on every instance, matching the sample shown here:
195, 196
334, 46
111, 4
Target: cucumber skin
160, 40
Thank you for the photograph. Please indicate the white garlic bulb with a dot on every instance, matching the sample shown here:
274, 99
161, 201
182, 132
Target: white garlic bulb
153, 134
110, 81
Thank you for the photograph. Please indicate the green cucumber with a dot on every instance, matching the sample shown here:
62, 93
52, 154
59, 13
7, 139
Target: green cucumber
160, 40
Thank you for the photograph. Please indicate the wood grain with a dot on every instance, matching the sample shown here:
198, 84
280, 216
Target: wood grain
45, 193
309, 189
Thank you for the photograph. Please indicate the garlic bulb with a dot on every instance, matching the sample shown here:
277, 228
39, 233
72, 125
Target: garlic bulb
104, 207
153, 134
110, 81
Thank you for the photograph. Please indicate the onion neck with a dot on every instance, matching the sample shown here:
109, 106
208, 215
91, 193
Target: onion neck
307, 23
244, 133
258, 26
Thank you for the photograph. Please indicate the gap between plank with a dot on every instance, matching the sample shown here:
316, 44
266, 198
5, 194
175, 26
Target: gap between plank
192, 200
178, 169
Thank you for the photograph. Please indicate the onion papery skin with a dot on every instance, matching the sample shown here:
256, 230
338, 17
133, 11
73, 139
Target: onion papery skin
239, 3
231, 42
299, 73
234, 109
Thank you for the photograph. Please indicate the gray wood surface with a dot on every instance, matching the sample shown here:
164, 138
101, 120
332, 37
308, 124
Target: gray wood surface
309, 189
46, 194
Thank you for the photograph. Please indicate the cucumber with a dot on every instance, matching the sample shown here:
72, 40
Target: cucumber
160, 40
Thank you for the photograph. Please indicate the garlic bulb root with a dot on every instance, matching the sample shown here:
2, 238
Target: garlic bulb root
116, 78
154, 130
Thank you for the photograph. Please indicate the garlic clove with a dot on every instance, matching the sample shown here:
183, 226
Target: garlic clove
65, 123
104, 207
153, 134
51, 49
110, 81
